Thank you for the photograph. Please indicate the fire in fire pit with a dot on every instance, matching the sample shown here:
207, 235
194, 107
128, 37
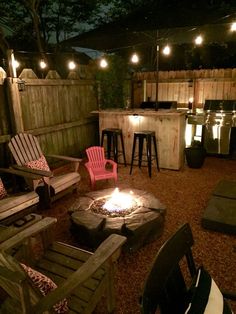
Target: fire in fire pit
118, 204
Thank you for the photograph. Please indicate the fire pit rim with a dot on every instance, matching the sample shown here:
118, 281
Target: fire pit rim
140, 226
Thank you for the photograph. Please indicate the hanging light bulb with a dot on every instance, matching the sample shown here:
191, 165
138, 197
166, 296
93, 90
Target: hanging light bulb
42, 64
166, 50
134, 58
103, 63
71, 65
233, 27
198, 40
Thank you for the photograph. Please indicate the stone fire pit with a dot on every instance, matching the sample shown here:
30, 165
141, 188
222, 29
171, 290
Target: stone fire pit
143, 222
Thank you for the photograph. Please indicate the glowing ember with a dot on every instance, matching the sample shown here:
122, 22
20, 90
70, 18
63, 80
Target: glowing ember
119, 201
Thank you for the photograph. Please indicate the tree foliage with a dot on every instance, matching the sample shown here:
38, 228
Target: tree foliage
35, 24
112, 83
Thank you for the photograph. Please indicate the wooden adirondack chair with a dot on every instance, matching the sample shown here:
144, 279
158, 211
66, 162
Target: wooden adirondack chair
97, 165
29, 157
81, 277
15, 205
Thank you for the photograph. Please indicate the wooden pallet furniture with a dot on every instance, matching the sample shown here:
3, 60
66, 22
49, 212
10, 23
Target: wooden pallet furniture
25, 149
82, 277
15, 205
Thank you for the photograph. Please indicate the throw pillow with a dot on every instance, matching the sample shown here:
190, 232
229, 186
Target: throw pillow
39, 164
206, 297
3, 191
45, 284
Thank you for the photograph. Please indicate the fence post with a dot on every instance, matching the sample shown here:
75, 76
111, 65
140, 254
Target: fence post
13, 95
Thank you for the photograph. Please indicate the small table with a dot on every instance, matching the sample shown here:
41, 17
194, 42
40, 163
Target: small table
8, 231
141, 226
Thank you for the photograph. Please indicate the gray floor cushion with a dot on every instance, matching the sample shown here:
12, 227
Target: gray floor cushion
220, 214
226, 189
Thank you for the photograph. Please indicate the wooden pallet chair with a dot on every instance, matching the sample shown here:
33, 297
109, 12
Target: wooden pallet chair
82, 278
14, 205
97, 165
29, 157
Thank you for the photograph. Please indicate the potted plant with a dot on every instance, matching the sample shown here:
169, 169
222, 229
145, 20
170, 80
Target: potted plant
195, 154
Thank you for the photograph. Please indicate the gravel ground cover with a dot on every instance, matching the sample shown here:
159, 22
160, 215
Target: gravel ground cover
185, 194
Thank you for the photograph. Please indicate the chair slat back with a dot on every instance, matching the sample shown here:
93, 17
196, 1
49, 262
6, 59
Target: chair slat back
24, 148
96, 157
165, 285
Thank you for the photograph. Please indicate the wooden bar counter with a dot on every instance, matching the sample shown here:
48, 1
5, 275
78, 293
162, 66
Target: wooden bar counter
169, 126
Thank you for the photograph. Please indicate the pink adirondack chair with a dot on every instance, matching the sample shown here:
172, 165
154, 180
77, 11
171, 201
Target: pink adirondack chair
97, 165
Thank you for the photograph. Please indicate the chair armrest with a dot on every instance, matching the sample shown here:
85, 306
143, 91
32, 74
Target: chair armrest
76, 161
11, 275
109, 250
111, 162
73, 159
40, 173
21, 173
229, 295
20, 237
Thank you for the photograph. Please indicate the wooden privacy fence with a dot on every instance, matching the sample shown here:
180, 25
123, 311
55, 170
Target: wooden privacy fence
56, 110
180, 86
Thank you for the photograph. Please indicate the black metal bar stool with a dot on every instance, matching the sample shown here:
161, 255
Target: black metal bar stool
150, 137
112, 150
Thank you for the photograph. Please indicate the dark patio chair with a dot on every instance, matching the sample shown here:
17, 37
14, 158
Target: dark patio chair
173, 290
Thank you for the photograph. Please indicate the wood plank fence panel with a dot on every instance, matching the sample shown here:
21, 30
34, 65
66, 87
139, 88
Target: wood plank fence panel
181, 85
58, 112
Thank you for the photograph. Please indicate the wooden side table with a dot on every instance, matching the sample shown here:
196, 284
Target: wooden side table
8, 231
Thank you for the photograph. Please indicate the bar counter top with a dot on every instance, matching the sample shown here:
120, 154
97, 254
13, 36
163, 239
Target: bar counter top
168, 124
143, 112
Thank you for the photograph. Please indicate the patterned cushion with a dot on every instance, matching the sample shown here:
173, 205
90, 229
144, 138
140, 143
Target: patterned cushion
39, 164
206, 297
3, 191
45, 284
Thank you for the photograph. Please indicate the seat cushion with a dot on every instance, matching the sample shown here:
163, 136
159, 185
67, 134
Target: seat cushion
39, 164
3, 191
220, 215
45, 285
206, 296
